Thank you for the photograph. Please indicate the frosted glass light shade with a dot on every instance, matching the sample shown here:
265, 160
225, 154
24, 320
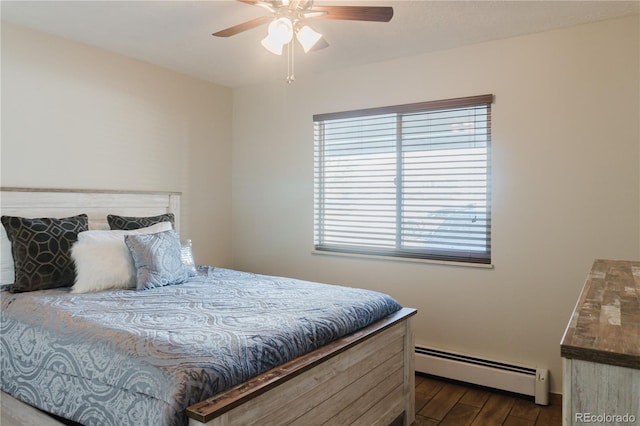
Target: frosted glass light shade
307, 37
280, 33
271, 45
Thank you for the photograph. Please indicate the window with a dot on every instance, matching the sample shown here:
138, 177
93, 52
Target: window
408, 181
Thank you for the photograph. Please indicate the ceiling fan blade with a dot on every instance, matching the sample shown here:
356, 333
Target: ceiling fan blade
228, 32
355, 13
314, 14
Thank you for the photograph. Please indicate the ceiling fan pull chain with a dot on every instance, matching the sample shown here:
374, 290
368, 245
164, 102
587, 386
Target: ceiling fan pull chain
290, 54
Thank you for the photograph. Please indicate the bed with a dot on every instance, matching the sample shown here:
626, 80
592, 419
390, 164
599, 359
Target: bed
299, 365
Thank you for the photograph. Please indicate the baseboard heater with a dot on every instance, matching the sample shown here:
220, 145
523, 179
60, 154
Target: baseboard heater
493, 374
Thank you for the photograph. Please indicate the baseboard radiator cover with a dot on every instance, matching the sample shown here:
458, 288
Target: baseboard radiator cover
483, 372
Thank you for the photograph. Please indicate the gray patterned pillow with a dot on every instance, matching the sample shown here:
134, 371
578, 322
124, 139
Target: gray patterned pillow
42, 250
128, 223
157, 259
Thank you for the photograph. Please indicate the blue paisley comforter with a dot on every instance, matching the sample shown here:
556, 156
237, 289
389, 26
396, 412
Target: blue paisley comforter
141, 357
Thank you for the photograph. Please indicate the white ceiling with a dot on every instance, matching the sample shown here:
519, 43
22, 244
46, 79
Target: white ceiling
177, 34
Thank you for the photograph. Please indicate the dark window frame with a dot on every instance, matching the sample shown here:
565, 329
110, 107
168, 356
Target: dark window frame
404, 246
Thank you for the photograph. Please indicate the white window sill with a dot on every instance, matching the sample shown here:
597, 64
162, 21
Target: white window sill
402, 259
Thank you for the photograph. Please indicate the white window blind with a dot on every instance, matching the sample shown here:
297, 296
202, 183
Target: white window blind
408, 180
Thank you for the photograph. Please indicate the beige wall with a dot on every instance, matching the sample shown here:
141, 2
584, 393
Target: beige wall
78, 117
565, 182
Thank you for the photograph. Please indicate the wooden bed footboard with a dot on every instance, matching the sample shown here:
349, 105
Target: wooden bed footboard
365, 378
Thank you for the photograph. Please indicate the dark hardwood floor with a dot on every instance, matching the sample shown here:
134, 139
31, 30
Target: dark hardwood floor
443, 402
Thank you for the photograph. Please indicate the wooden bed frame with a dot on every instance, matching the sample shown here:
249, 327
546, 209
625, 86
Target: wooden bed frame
364, 378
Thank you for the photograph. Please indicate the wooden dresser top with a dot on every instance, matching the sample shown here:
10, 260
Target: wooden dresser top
605, 325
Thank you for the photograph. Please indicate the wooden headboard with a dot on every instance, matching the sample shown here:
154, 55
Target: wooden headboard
97, 204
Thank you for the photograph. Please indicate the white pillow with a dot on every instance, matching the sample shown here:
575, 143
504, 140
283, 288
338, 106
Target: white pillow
103, 261
7, 273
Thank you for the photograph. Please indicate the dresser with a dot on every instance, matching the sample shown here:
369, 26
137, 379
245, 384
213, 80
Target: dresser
601, 348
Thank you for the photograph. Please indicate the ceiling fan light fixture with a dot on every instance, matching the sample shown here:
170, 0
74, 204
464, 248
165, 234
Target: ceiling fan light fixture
307, 37
280, 33
272, 45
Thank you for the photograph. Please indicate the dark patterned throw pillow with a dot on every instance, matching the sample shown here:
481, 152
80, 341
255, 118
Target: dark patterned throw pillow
128, 223
42, 250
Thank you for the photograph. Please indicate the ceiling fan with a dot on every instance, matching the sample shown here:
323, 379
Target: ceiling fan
291, 17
